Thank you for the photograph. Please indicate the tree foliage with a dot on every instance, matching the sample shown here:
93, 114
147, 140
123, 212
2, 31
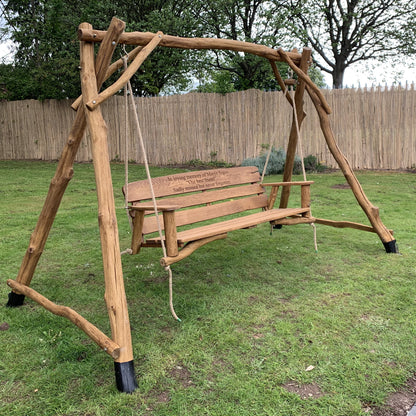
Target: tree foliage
344, 32
47, 49
341, 33
244, 20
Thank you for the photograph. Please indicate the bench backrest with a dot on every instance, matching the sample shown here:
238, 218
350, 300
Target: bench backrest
202, 195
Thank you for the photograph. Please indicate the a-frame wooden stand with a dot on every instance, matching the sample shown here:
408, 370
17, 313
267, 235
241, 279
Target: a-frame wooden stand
119, 346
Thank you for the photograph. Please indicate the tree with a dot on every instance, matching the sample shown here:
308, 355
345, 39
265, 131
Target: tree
47, 50
244, 20
45, 43
344, 32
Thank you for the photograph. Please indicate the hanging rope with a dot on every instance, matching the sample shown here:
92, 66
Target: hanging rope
295, 117
126, 146
149, 178
126, 154
266, 162
289, 92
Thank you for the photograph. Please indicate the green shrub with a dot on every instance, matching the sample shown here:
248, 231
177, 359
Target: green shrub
276, 164
312, 165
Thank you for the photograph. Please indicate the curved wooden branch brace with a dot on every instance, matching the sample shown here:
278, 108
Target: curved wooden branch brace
305, 78
189, 249
143, 38
115, 66
281, 82
370, 210
294, 221
347, 224
127, 74
109, 346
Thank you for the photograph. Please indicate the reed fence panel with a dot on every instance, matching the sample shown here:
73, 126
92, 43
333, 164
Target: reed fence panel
375, 128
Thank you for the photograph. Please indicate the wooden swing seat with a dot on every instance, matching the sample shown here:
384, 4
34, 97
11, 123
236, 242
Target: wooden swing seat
211, 195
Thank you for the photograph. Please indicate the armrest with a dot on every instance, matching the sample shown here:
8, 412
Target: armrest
305, 192
169, 224
288, 183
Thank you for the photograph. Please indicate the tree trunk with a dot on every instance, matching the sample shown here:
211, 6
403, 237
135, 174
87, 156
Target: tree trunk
338, 76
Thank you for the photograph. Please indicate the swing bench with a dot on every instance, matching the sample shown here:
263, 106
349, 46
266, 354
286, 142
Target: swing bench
227, 198
193, 198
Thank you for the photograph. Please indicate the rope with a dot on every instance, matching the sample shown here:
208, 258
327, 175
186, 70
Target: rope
149, 178
266, 163
295, 117
126, 151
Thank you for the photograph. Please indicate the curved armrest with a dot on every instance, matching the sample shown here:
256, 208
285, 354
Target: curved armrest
305, 192
169, 225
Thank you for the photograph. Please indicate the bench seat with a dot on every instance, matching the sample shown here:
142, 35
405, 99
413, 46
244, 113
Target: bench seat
227, 198
233, 224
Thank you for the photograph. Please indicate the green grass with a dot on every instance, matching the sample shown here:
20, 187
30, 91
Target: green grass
257, 309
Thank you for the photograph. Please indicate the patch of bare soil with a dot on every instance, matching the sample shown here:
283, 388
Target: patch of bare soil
305, 391
4, 326
181, 375
341, 186
400, 402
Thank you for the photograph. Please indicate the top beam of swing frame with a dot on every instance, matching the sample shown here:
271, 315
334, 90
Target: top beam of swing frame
294, 60
143, 38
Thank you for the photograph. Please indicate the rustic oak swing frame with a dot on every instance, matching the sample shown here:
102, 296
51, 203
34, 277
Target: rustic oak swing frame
94, 71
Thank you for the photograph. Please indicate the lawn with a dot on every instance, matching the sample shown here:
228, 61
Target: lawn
269, 326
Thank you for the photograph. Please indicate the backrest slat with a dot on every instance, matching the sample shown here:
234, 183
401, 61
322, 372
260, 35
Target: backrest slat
209, 197
192, 182
201, 196
191, 216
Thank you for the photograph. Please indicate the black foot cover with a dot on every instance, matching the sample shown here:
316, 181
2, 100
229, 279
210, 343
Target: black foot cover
15, 300
391, 247
125, 377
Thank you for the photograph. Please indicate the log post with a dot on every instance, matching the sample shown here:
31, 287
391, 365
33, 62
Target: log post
137, 234
305, 197
170, 233
293, 137
370, 210
115, 296
63, 174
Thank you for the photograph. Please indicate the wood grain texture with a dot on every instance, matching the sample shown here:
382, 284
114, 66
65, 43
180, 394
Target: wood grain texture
115, 296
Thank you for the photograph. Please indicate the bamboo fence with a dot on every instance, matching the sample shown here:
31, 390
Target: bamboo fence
375, 128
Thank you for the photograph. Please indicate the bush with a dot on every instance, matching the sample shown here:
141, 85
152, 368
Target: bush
277, 160
312, 165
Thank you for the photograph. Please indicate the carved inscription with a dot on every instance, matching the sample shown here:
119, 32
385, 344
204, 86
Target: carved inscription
198, 181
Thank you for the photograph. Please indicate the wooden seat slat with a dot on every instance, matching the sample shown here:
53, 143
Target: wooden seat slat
233, 224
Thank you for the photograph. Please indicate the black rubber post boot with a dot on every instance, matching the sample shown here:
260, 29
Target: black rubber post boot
15, 300
391, 247
125, 377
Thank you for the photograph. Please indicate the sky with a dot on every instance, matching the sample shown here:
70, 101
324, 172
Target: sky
358, 75
377, 73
